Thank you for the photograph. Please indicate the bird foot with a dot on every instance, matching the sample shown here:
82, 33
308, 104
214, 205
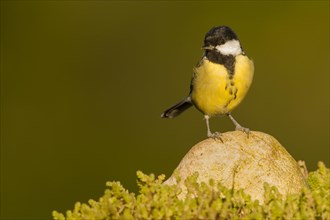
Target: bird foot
245, 130
215, 136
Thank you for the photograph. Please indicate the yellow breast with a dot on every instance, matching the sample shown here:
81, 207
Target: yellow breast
214, 92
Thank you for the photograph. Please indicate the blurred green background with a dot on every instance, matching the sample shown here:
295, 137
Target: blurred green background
83, 84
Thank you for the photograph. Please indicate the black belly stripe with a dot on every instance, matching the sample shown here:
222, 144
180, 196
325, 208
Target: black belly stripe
229, 101
232, 90
227, 60
235, 94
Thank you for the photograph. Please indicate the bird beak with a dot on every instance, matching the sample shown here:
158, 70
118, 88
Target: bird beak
208, 47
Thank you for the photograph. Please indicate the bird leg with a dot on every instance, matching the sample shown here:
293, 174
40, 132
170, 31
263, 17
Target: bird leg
238, 127
215, 135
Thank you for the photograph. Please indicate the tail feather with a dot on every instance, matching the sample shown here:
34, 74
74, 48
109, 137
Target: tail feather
177, 109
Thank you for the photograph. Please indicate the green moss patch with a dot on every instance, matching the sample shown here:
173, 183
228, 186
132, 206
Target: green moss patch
205, 201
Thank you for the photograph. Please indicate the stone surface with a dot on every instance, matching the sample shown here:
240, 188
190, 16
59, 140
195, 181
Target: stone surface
242, 162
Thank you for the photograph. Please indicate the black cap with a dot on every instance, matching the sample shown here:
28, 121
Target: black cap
218, 36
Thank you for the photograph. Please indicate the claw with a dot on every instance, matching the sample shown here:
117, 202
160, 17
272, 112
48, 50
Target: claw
245, 130
215, 136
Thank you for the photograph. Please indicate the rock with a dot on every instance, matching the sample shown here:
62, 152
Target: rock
242, 162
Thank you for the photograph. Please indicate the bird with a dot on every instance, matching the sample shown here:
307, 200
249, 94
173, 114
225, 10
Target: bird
220, 80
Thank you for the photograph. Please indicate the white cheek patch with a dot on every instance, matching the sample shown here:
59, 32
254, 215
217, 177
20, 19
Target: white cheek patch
232, 47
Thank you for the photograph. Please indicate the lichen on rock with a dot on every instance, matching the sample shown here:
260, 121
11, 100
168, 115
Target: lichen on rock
238, 161
240, 178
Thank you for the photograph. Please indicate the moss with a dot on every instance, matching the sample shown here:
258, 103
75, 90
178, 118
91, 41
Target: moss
205, 201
